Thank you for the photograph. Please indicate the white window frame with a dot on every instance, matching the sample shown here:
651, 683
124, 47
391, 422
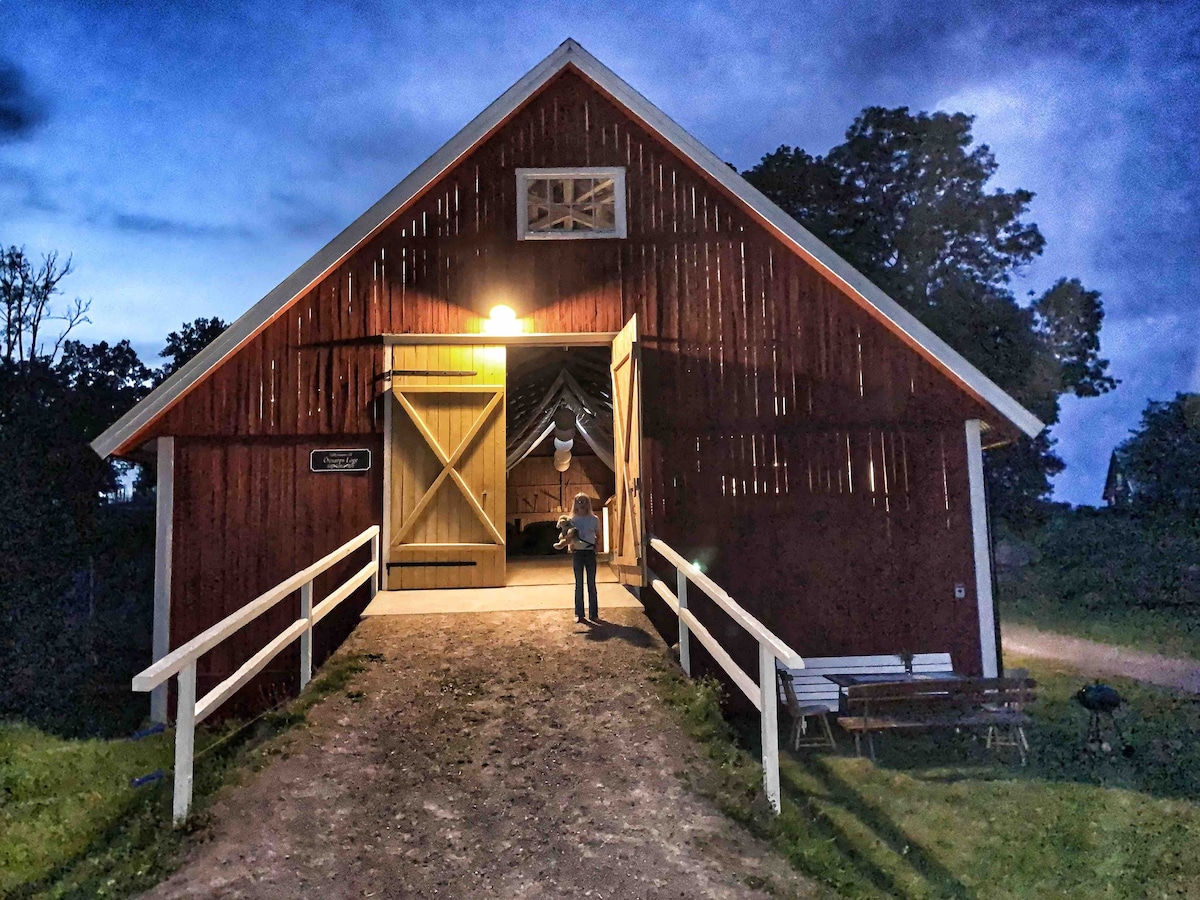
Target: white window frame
616, 173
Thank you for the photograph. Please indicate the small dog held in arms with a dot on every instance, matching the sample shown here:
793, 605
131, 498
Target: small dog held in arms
569, 535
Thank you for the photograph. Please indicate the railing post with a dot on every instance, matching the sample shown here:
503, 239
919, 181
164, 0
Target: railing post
769, 696
185, 742
306, 655
375, 559
685, 651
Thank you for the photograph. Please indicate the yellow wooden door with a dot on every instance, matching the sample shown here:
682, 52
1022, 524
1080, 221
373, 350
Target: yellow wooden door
628, 537
447, 475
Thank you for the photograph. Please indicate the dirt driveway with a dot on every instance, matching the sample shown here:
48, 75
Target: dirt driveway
1092, 658
502, 755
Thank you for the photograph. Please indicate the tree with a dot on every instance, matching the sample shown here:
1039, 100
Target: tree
55, 396
105, 381
905, 199
26, 294
1161, 460
189, 340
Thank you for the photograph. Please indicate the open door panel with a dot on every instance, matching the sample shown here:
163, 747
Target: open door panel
628, 536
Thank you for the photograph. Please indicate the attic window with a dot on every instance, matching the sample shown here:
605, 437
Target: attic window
563, 204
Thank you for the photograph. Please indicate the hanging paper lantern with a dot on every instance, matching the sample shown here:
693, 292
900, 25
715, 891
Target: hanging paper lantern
562, 460
564, 417
566, 445
564, 434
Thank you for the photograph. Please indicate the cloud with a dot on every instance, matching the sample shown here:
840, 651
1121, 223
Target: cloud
298, 215
160, 226
20, 111
22, 187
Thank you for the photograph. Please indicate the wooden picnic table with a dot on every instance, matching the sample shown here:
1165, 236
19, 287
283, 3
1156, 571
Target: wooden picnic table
873, 703
843, 680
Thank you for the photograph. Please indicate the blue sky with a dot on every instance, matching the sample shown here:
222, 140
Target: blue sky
192, 159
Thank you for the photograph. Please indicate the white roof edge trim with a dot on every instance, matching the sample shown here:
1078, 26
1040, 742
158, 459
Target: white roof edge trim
569, 52
810, 245
329, 256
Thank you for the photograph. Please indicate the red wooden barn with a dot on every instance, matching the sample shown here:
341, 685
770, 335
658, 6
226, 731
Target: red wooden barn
741, 391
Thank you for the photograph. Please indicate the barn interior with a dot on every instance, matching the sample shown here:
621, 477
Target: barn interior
559, 443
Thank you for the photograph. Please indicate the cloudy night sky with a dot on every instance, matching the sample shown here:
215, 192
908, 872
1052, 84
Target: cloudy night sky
191, 160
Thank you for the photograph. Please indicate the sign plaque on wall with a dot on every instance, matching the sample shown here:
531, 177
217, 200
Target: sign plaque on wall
340, 460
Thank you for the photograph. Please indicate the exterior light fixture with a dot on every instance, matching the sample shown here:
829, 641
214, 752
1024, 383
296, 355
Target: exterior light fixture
502, 320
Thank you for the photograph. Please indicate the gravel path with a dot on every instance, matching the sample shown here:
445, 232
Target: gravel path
503, 755
1092, 658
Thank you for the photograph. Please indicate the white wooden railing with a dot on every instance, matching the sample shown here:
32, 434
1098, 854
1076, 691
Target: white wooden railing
763, 692
182, 661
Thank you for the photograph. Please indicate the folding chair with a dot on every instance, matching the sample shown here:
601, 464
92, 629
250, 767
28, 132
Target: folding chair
800, 716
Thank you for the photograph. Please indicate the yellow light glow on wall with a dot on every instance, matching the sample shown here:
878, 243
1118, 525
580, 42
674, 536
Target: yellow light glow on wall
502, 320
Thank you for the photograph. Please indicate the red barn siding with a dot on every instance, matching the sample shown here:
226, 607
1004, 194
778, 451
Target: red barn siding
770, 397
744, 314
247, 516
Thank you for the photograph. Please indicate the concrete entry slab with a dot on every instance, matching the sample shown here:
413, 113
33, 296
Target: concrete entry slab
551, 570
532, 584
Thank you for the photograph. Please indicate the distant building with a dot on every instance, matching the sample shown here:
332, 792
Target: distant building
1117, 490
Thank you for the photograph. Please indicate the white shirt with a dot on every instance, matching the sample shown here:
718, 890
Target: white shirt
588, 528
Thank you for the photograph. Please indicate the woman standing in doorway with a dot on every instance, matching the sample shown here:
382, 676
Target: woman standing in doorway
588, 525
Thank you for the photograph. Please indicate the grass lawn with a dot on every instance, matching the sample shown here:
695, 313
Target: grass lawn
72, 826
59, 795
942, 817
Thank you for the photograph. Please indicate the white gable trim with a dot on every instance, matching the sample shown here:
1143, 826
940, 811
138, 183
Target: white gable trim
569, 53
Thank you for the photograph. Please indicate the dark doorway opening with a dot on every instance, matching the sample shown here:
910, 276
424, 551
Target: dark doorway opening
560, 443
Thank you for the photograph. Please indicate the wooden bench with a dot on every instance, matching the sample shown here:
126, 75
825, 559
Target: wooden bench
995, 703
812, 688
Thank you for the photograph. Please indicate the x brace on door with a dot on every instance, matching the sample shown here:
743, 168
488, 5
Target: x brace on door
451, 461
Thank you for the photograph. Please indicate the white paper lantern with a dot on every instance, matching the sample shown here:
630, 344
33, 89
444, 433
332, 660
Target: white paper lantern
564, 417
562, 446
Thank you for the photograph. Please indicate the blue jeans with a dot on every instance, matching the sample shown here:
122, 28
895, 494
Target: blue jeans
585, 562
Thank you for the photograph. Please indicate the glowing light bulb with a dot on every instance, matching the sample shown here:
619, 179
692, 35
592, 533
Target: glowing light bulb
502, 320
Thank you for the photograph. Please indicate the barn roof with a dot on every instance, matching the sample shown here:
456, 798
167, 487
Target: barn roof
123, 434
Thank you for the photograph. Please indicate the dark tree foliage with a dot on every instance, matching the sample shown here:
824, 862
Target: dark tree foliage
905, 199
1162, 458
75, 573
189, 340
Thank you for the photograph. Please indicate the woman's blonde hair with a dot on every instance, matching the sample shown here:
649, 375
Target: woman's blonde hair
587, 502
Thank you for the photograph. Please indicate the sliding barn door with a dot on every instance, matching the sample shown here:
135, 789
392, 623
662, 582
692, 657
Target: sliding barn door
628, 538
446, 510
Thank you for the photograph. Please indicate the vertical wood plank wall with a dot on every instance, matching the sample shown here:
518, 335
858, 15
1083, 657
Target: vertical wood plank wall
785, 427
247, 516
535, 486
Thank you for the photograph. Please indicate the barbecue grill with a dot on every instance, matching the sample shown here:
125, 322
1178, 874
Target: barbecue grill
1101, 702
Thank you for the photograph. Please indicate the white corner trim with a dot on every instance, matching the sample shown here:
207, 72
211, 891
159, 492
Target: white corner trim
164, 514
981, 542
568, 53
385, 538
